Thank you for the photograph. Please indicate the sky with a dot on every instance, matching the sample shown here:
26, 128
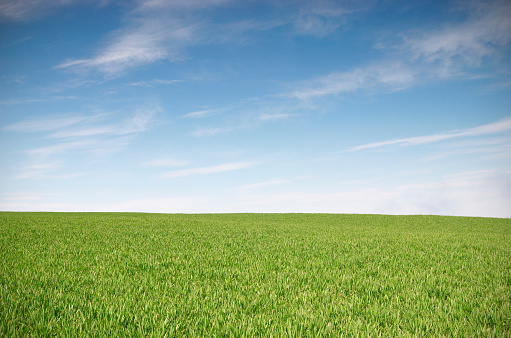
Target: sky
212, 106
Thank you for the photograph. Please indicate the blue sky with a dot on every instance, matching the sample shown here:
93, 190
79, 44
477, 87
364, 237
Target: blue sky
393, 107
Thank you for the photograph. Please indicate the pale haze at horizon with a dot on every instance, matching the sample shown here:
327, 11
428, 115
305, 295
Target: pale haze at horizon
256, 106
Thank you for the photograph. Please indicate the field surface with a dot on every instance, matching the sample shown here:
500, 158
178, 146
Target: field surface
126, 274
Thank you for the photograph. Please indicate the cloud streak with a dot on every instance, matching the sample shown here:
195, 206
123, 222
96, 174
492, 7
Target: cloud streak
264, 184
209, 170
487, 29
391, 77
145, 41
207, 132
275, 117
163, 30
23, 10
46, 124
487, 129
24, 196
425, 54
456, 195
200, 114
153, 83
79, 134
139, 122
164, 162
49, 99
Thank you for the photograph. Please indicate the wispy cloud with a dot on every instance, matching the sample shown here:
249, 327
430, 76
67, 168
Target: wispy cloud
247, 114
164, 162
487, 129
207, 132
467, 43
319, 18
64, 137
455, 194
84, 132
37, 175
275, 117
165, 205
54, 161
156, 31
200, 113
154, 83
94, 144
61, 148
424, 54
144, 41
139, 122
22, 10
37, 169
171, 204
209, 170
491, 147
46, 124
24, 196
264, 184
49, 99
191, 5
391, 77
458, 195
163, 30
16, 42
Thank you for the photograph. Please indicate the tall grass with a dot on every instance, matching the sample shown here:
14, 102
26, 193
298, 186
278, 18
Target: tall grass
122, 274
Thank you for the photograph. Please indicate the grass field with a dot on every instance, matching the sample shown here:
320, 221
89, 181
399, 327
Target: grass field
124, 274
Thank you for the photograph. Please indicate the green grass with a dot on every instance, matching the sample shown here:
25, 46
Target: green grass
123, 274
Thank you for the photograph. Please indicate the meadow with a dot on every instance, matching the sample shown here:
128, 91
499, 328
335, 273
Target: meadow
132, 274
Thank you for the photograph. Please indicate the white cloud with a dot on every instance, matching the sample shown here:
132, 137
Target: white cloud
158, 31
209, 170
264, 184
457, 195
139, 122
206, 132
491, 128
51, 162
467, 43
37, 169
101, 130
45, 175
153, 83
49, 99
319, 18
475, 193
492, 147
163, 205
275, 116
487, 129
160, 36
432, 53
164, 162
65, 137
162, 30
145, 41
48, 123
191, 5
385, 76
24, 196
62, 147
200, 113
22, 10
